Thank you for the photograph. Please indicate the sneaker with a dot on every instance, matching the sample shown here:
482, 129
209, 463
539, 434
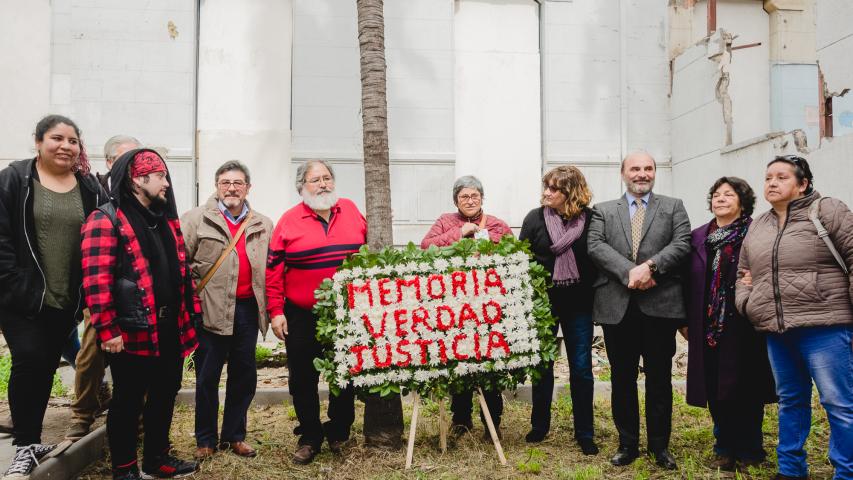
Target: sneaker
167, 466
26, 459
127, 474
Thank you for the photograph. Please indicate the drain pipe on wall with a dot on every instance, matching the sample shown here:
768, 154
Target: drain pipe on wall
623, 84
195, 99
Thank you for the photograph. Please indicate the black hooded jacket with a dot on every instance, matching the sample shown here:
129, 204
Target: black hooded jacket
22, 283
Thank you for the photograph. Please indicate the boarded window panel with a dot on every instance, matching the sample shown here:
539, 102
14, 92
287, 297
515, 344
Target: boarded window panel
326, 101
129, 68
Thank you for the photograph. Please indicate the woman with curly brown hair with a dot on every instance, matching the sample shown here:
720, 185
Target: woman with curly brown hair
557, 232
43, 202
727, 368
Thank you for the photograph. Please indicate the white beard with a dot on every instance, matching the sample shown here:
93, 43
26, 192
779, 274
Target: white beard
321, 201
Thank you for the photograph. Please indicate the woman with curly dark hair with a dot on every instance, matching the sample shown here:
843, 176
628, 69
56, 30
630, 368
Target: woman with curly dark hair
557, 232
43, 202
727, 370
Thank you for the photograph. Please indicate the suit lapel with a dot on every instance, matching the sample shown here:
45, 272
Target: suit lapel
625, 217
651, 210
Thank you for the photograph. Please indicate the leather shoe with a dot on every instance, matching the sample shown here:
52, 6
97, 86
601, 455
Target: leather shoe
664, 459
242, 448
457, 430
724, 463
588, 446
304, 455
535, 436
203, 453
487, 437
338, 446
625, 456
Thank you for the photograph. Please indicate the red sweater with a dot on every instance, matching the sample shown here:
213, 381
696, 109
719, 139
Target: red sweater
447, 230
244, 276
302, 254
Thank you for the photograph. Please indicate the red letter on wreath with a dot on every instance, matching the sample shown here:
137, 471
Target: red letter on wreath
431, 281
420, 315
408, 360
400, 320
423, 344
467, 313
415, 283
457, 282
352, 289
440, 312
369, 325
455, 346
384, 363
384, 291
492, 318
357, 350
493, 280
496, 340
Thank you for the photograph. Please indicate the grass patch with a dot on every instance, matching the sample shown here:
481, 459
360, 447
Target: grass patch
57, 389
470, 458
262, 353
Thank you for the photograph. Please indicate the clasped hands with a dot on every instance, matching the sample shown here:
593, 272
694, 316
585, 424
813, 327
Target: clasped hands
640, 277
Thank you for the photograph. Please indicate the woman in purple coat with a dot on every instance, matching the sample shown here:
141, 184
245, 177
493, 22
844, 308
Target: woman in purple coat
728, 370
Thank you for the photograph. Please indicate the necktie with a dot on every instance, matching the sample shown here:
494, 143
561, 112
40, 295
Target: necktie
637, 227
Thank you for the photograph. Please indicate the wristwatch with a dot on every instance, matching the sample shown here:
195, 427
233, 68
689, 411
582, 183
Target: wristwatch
653, 267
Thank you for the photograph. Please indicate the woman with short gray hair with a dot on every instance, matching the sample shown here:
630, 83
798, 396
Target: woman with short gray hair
469, 221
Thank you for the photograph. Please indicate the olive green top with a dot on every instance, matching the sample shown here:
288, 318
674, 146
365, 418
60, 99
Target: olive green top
58, 218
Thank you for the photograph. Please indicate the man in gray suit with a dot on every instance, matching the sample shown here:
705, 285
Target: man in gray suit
639, 242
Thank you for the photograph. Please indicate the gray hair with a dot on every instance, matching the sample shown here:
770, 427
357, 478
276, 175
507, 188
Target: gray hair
232, 165
113, 143
467, 181
303, 170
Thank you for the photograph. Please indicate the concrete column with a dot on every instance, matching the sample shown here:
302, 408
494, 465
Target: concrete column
25, 63
497, 102
244, 97
792, 31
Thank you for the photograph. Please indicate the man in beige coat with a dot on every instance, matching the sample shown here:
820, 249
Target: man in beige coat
233, 305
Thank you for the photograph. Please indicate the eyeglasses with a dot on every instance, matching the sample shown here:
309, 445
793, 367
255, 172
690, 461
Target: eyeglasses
238, 184
326, 179
796, 160
475, 197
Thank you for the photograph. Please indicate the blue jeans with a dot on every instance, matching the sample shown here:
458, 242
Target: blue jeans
577, 334
823, 355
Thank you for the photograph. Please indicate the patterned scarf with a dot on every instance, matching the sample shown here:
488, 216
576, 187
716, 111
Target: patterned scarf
723, 242
563, 235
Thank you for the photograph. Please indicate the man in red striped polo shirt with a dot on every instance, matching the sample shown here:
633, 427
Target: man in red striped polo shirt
307, 246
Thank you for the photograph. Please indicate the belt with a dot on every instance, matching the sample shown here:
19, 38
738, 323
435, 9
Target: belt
165, 311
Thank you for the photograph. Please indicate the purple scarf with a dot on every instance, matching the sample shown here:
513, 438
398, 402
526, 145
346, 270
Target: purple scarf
722, 244
563, 235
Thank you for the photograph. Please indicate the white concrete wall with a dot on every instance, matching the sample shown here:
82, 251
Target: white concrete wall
25, 32
327, 102
834, 38
497, 99
600, 101
244, 97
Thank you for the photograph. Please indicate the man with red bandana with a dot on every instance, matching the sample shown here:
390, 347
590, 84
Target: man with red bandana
140, 294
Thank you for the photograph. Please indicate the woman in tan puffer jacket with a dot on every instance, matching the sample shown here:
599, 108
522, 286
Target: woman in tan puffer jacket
792, 288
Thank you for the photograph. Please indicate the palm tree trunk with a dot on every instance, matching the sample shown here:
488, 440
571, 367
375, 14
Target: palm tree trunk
383, 417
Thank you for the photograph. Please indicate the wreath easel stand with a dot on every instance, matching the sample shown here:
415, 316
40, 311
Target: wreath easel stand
442, 422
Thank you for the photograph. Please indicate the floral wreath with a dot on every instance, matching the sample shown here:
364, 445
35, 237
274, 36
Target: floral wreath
436, 321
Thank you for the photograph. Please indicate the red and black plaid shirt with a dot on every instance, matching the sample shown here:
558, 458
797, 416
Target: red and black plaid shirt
100, 260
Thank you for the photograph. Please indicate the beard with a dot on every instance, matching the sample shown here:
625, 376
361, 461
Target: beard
322, 200
637, 189
157, 200
231, 202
